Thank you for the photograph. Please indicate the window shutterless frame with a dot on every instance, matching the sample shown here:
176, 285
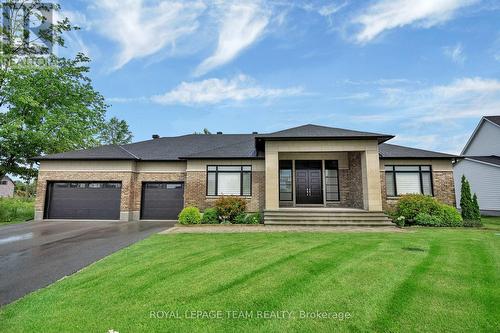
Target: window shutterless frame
392, 171
332, 165
281, 164
215, 170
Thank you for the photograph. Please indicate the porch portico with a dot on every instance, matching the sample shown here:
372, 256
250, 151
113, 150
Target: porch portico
322, 174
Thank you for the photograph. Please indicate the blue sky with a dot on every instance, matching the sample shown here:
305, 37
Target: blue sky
425, 71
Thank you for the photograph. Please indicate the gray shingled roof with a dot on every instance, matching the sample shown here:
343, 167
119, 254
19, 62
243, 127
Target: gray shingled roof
494, 119
486, 159
108, 152
169, 149
394, 151
230, 146
314, 131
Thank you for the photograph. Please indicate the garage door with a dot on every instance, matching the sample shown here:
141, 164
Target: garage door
162, 201
83, 200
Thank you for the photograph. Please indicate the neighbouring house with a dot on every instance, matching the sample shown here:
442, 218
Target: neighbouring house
307, 174
480, 163
7, 187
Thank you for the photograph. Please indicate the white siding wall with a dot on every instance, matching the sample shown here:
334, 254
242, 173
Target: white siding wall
486, 142
484, 180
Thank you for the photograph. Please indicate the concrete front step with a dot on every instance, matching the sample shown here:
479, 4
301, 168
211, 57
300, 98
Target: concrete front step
326, 217
331, 223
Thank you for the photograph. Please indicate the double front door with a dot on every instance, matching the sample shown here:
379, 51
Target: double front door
309, 184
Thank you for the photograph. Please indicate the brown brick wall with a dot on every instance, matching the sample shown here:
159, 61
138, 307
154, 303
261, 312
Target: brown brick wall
355, 178
443, 185
195, 191
127, 179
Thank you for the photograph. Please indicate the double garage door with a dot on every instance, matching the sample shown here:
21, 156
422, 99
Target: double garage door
101, 200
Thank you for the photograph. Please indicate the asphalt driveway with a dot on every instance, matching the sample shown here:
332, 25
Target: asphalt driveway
36, 254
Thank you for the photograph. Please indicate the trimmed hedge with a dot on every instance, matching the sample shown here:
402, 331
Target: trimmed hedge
210, 216
418, 209
190, 215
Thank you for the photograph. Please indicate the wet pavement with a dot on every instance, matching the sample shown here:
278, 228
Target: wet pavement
36, 254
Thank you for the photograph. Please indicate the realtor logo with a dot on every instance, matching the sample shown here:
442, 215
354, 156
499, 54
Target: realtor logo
27, 28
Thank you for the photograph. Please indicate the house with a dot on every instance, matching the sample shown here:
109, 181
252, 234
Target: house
6, 187
298, 175
480, 163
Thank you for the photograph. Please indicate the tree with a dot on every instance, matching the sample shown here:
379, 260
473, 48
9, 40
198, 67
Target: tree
115, 132
466, 203
48, 107
205, 131
475, 205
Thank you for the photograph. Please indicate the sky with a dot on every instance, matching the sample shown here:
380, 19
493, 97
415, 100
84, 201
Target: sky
425, 71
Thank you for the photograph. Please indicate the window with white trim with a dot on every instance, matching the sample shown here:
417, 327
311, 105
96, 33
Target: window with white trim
407, 179
229, 180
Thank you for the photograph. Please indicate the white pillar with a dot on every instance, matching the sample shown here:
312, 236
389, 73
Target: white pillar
272, 179
372, 196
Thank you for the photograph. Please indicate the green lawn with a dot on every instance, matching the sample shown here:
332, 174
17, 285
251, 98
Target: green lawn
424, 280
16, 210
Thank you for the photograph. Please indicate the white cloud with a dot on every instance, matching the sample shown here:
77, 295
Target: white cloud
455, 53
142, 29
214, 91
389, 14
241, 25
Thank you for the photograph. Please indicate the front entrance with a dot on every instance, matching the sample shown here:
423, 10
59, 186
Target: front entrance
309, 184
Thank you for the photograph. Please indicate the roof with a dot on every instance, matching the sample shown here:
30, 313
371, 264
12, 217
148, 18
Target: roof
229, 146
170, 149
7, 178
394, 151
494, 119
495, 160
310, 131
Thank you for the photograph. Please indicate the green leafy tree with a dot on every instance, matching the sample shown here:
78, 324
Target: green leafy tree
466, 203
45, 108
475, 205
115, 132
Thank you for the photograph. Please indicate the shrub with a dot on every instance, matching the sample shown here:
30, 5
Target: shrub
466, 203
428, 220
472, 223
16, 209
210, 216
400, 221
254, 218
240, 218
450, 217
190, 215
475, 206
412, 204
230, 207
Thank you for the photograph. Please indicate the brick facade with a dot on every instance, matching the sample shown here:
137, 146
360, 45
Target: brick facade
196, 186
443, 186
351, 184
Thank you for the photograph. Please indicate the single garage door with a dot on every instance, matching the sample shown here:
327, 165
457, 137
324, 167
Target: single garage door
162, 201
83, 200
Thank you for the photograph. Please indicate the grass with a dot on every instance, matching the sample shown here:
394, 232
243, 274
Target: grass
16, 210
423, 280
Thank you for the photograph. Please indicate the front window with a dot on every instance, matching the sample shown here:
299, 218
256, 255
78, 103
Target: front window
229, 180
286, 180
406, 179
332, 180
